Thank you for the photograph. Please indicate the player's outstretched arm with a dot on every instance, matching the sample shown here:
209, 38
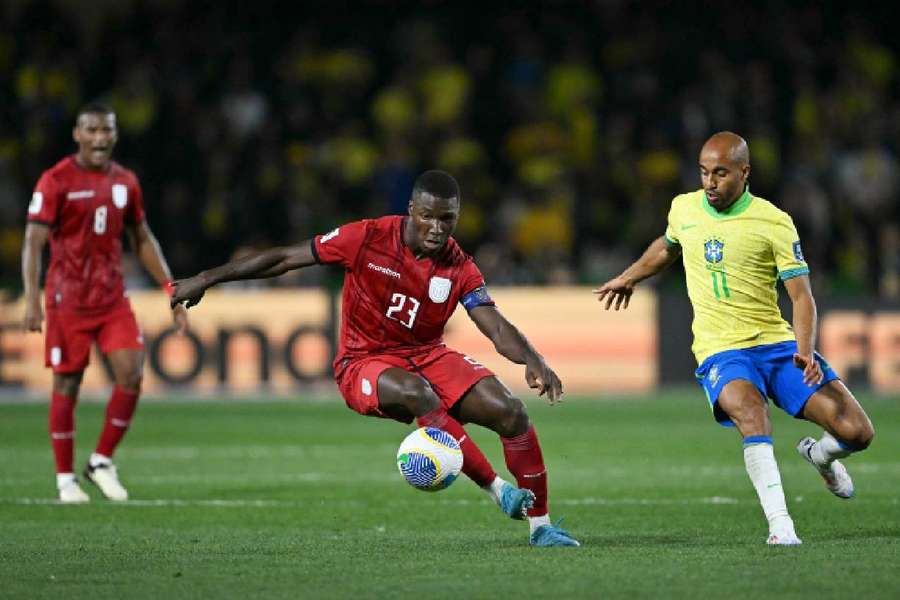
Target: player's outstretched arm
659, 255
805, 316
150, 254
258, 265
510, 343
36, 235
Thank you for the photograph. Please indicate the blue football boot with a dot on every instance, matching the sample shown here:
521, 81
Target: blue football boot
515, 502
552, 535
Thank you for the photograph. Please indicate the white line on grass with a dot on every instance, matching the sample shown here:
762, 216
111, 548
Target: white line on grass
263, 503
257, 478
223, 503
214, 503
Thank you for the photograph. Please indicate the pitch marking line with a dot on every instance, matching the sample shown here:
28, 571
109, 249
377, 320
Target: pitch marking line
263, 503
224, 503
161, 502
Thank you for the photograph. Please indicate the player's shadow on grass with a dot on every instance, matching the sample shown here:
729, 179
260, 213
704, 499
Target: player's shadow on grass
495, 542
641, 540
658, 540
250, 492
859, 534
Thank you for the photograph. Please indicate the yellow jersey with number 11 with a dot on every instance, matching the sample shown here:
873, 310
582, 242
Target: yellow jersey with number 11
732, 261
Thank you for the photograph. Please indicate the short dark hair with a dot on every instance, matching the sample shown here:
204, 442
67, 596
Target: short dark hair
439, 184
95, 108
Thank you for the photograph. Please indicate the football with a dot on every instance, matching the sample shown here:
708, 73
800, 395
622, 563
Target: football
429, 459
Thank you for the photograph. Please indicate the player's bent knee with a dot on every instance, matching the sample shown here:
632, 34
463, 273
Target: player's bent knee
67, 384
863, 434
418, 397
132, 381
856, 434
514, 422
750, 417
869, 433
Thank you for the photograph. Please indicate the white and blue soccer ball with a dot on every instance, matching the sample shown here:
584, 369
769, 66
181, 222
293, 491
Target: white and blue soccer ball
430, 459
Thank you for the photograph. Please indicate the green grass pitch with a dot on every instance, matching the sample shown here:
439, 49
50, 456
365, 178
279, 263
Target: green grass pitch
295, 499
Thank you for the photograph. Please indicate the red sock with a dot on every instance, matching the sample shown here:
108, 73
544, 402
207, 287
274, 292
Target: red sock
119, 411
62, 431
475, 463
525, 461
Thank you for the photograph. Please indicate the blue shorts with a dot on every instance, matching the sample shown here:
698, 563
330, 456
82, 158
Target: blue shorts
769, 367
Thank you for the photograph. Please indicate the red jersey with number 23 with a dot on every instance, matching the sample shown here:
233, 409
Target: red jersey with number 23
86, 211
393, 303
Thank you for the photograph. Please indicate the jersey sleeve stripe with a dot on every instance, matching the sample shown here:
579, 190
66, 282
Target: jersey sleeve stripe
791, 273
670, 242
315, 253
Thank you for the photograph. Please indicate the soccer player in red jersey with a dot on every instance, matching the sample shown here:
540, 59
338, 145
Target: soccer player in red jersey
82, 205
403, 279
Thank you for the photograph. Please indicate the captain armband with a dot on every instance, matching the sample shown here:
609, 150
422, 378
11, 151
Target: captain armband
477, 297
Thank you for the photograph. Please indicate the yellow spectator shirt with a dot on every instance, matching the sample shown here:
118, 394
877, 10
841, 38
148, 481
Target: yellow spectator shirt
732, 260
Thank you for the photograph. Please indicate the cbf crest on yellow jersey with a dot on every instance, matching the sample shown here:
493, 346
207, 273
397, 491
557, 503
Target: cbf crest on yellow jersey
732, 261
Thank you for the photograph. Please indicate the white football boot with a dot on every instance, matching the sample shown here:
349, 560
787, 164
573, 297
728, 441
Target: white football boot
106, 478
71, 493
835, 475
781, 533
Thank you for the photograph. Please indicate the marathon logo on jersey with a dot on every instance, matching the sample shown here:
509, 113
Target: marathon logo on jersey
331, 234
120, 195
384, 270
714, 250
80, 195
798, 252
37, 201
439, 289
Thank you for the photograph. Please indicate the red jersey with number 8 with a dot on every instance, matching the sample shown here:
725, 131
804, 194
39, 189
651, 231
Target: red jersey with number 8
86, 211
393, 302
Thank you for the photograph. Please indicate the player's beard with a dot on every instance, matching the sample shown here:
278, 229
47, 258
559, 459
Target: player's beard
433, 247
98, 159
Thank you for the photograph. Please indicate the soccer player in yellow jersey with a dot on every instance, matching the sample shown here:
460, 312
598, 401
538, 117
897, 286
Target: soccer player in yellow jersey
735, 247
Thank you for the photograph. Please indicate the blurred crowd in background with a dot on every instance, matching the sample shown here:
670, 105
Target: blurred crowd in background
570, 126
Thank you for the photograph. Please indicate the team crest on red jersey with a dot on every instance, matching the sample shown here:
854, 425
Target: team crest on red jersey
439, 289
119, 195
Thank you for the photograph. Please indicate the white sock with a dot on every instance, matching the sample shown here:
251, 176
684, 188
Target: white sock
493, 490
535, 522
64, 479
98, 459
826, 450
763, 471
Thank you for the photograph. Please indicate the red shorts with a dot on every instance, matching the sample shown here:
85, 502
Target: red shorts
69, 335
450, 374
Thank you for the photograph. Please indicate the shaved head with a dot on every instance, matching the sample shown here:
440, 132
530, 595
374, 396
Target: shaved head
724, 169
730, 146
433, 213
437, 184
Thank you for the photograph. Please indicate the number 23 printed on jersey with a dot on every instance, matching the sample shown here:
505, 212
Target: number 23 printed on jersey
399, 302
